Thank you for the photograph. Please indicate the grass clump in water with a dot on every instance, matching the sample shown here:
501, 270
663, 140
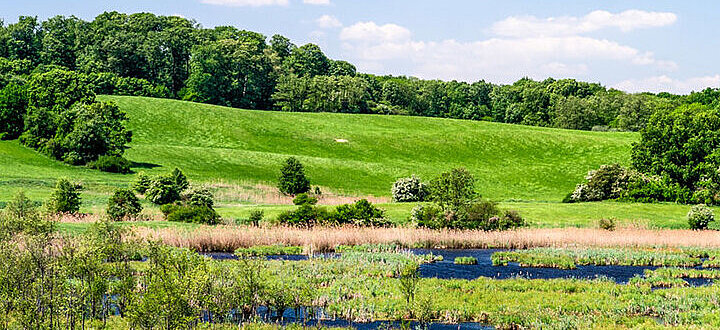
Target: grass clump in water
466, 261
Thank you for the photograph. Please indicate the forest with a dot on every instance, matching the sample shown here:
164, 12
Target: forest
168, 56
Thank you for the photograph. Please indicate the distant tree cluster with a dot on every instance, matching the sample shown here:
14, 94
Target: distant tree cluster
167, 56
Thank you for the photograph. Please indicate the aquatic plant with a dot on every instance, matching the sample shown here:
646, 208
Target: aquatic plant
466, 261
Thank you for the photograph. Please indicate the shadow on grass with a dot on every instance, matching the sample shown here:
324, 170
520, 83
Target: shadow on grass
144, 165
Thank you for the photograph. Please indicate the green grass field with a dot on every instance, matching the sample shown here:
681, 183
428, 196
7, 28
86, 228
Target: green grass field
212, 143
526, 168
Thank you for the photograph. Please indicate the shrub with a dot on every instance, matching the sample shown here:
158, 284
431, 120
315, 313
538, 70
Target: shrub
483, 215
190, 214
362, 213
123, 205
305, 216
700, 216
180, 179
304, 198
477, 216
453, 190
142, 183
198, 196
22, 215
607, 182
256, 216
607, 224
292, 178
13, 105
409, 190
65, 198
112, 164
429, 216
163, 189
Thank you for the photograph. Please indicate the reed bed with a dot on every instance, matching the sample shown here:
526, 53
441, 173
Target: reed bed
230, 238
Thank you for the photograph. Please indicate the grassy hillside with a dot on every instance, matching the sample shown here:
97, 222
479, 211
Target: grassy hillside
219, 144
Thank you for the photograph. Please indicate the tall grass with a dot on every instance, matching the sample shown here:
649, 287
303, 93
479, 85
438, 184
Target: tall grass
230, 238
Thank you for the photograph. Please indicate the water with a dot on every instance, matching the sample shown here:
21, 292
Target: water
446, 269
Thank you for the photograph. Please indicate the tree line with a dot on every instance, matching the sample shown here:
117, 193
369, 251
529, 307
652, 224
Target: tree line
168, 56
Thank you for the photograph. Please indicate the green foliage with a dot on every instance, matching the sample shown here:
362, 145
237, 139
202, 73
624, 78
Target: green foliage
268, 250
190, 214
123, 205
608, 182
683, 146
163, 189
304, 216
65, 198
256, 216
607, 224
700, 216
111, 164
409, 190
198, 196
452, 190
465, 261
361, 213
13, 105
303, 198
292, 178
409, 280
180, 179
142, 183
21, 215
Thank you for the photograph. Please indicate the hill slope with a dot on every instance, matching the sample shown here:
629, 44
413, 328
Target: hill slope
212, 143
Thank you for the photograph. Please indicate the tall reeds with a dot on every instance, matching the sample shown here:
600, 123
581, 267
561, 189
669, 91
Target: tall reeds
230, 238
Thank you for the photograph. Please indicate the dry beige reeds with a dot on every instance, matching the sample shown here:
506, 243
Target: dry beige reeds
228, 193
229, 238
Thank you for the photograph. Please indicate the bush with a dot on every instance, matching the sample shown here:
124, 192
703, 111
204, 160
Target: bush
305, 216
429, 216
13, 105
477, 216
190, 214
482, 215
607, 182
112, 164
409, 190
163, 189
607, 224
22, 215
292, 178
700, 216
142, 183
180, 179
453, 190
198, 196
304, 198
256, 216
362, 213
65, 198
123, 205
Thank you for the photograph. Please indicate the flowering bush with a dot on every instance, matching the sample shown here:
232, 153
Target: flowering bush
700, 216
409, 190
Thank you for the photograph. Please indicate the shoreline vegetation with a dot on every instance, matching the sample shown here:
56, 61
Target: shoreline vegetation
324, 239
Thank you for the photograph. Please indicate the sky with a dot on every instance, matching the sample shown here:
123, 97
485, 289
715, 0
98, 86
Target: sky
640, 45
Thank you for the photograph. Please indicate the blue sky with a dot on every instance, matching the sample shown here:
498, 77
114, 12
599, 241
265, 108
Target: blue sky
631, 45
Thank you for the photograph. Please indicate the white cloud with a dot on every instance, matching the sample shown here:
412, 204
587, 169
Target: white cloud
495, 59
248, 3
664, 83
371, 32
526, 26
328, 22
317, 2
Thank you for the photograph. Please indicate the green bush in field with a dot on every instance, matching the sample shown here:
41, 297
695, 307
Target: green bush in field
607, 224
123, 204
180, 179
700, 216
304, 198
453, 190
163, 189
190, 214
305, 216
256, 216
409, 190
142, 183
65, 198
112, 164
292, 178
198, 196
361, 213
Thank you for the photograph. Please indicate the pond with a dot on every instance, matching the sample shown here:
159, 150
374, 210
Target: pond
447, 269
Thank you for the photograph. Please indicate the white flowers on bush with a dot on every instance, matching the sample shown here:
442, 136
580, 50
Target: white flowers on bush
409, 190
700, 216
607, 182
